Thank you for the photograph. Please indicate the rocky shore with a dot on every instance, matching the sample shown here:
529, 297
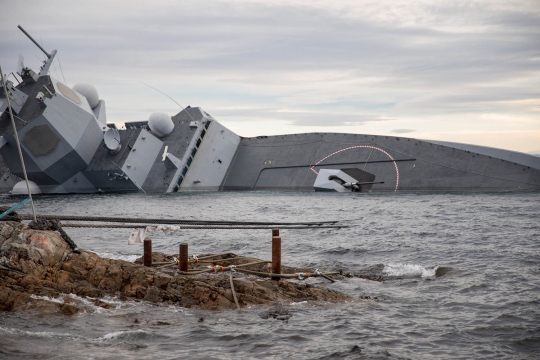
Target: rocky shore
38, 263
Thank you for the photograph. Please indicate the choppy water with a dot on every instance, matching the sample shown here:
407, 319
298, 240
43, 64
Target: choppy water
486, 306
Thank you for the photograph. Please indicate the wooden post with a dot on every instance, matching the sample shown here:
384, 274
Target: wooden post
147, 257
276, 256
183, 257
275, 232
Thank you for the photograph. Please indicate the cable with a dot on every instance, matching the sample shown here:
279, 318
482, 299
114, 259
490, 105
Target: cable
62, 71
168, 221
203, 227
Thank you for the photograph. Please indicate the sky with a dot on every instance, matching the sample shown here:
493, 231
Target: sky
462, 71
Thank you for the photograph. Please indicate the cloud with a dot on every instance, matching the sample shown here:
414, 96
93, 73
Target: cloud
297, 118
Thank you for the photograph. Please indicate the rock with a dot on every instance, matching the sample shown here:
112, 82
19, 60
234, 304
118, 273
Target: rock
41, 263
373, 273
443, 270
152, 295
10, 299
278, 313
69, 309
102, 304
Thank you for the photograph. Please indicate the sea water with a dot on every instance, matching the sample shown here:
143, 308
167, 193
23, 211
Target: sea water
461, 280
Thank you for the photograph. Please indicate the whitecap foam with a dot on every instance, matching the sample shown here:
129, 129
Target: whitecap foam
129, 258
44, 334
86, 302
115, 302
176, 309
409, 270
119, 334
48, 298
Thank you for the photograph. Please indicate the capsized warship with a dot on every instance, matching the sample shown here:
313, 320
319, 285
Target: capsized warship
68, 147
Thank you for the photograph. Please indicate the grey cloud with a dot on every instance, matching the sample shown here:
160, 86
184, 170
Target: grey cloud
256, 37
470, 100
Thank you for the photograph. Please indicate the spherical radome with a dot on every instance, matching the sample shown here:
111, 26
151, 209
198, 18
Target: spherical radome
160, 123
89, 92
21, 189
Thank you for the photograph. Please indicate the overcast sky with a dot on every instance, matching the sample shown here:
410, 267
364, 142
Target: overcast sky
465, 71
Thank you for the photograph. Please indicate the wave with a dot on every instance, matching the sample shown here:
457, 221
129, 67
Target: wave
409, 270
41, 334
89, 304
123, 335
48, 298
135, 337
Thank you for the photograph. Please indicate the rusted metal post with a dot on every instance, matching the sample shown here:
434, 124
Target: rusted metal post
275, 232
147, 258
183, 257
276, 256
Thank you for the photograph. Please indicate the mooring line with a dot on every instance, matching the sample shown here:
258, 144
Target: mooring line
168, 221
201, 227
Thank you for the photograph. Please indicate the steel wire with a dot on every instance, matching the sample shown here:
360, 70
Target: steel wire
207, 227
167, 221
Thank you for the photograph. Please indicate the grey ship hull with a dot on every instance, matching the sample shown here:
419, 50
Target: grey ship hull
291, 161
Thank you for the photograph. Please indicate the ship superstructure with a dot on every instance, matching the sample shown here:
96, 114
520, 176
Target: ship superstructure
68, 147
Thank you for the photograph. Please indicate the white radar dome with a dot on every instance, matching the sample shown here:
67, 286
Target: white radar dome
21, 189
161, 123
89, 92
